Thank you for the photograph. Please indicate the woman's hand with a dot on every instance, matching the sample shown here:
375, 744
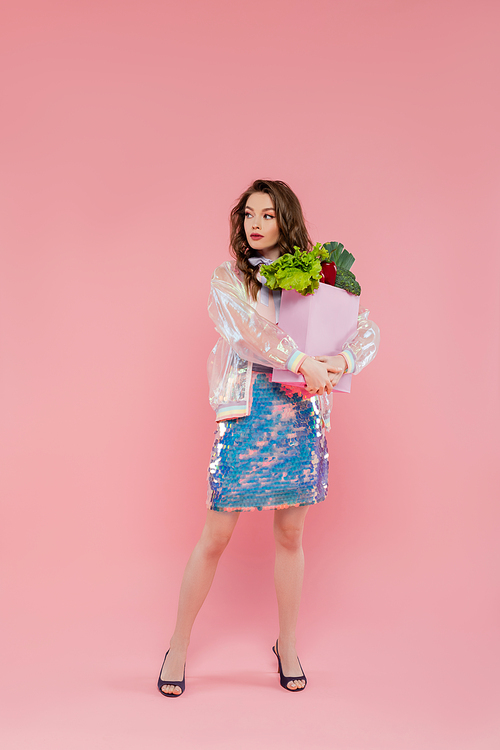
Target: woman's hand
316, 376
335, 366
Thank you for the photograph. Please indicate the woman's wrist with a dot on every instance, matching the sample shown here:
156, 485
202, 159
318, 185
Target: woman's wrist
348, 358
295, 361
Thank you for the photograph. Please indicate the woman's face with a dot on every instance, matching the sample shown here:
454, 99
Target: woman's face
261, 226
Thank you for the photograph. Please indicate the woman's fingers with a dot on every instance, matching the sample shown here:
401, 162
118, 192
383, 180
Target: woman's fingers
321, 374
315, 374
334, 378
334, 363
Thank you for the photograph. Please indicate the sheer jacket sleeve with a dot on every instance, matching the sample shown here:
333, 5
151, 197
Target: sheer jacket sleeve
360, 350
250, 335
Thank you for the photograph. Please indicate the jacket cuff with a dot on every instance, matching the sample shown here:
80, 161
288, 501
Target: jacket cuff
295, 361
349, 358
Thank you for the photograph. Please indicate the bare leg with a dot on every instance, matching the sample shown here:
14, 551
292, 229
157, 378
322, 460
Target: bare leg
288, 577
196, 582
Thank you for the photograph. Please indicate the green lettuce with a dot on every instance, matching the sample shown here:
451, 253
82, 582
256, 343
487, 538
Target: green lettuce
300, 271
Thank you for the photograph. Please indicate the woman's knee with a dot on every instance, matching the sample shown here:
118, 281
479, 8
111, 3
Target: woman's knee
216, 537
289, 535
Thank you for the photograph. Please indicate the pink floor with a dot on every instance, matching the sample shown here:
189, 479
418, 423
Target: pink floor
92, 685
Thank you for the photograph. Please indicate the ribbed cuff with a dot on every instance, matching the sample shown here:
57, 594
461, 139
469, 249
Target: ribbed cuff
351, 362
295, 361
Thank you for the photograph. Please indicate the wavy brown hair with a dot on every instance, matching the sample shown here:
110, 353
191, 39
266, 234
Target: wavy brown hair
290, 220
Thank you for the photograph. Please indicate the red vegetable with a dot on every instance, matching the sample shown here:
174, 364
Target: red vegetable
328, 273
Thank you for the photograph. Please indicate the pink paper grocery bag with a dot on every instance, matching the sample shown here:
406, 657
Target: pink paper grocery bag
319, 323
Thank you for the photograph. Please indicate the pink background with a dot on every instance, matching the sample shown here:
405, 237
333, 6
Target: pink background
129, 129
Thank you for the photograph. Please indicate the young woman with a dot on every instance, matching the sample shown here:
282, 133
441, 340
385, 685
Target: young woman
270, 448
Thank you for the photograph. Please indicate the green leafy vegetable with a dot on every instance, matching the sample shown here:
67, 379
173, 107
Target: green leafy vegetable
338, 254
345, 279
300, 271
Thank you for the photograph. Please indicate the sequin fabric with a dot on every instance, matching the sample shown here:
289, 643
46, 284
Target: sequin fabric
276, 457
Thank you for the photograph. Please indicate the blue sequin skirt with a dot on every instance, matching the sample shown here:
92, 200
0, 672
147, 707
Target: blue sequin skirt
276, 457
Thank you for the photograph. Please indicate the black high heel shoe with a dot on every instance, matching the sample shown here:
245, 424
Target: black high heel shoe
285, 680
176, 683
